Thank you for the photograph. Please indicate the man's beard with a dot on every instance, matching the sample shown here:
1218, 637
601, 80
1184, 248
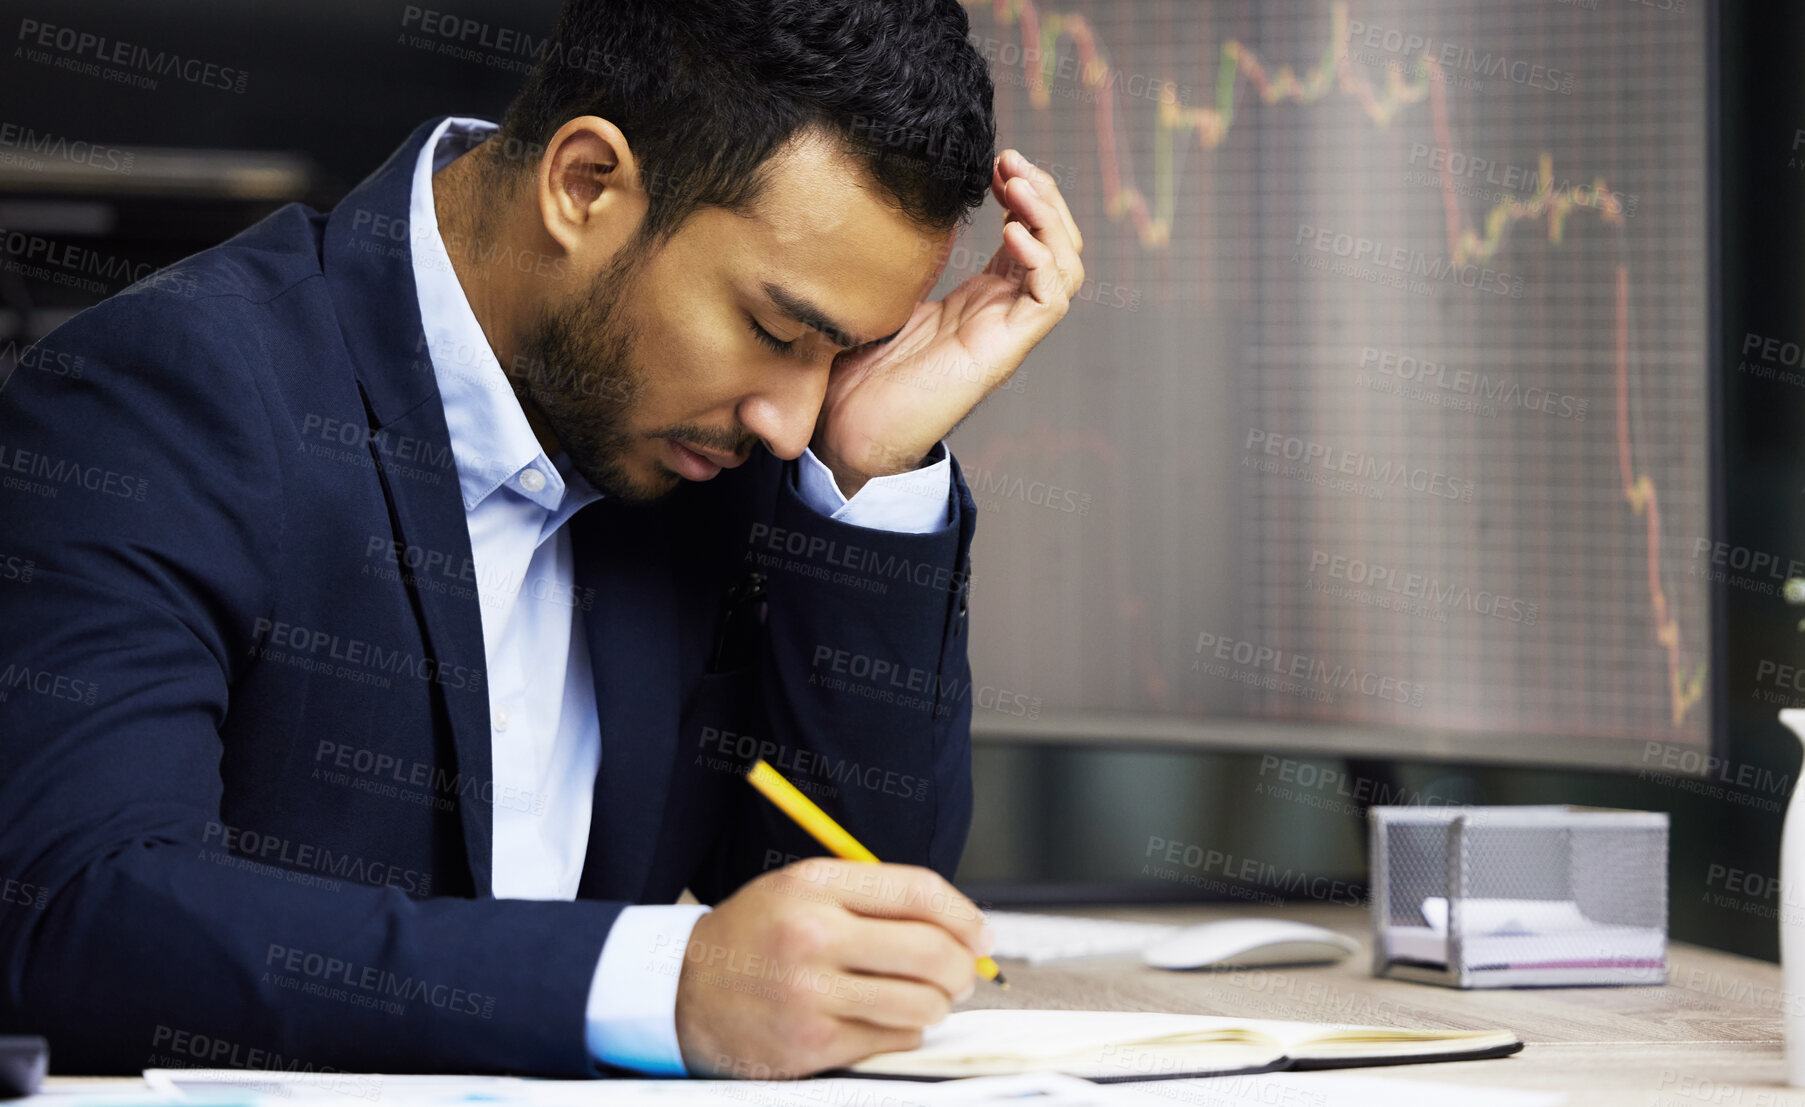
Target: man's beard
581, 377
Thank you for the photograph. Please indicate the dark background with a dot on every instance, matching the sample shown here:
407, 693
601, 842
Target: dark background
338, 83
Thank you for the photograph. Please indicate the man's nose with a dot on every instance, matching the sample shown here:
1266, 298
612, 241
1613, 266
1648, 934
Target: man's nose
784, 416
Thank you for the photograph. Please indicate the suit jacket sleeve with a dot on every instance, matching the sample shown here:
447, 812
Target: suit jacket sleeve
864, 689
145, 494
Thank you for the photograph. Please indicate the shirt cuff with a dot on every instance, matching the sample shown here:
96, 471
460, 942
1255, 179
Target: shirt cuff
916, 502
632, 1013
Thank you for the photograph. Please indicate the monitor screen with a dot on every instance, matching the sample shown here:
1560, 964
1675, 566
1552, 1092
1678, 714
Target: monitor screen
1381, 423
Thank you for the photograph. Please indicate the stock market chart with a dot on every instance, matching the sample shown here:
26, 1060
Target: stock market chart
1385, 400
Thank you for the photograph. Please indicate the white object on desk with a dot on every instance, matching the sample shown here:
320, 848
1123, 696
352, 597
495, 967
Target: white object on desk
1038, 938
1526, 933
1509, 916
1248, 943
1792, 921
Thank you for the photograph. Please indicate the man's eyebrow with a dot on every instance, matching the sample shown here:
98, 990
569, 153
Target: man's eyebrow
804, 311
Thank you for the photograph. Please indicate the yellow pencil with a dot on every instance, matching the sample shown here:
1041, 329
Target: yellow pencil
829, 833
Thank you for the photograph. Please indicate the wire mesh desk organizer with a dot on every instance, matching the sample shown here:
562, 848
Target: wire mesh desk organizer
1514, 897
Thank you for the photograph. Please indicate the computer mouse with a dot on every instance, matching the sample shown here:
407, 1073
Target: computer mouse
1248, 943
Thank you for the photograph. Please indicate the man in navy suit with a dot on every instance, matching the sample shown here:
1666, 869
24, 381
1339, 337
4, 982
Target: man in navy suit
395, 596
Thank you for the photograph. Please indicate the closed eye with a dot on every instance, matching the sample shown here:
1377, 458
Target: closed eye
769, 339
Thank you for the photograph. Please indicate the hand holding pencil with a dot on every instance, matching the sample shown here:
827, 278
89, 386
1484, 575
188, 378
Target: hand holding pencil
809, 816
824, 962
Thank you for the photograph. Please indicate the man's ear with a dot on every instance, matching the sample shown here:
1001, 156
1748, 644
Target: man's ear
589, 194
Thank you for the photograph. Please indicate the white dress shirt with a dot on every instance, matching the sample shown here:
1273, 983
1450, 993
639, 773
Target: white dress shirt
545, 733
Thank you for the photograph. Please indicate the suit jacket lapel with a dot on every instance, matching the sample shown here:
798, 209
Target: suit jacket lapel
369, 271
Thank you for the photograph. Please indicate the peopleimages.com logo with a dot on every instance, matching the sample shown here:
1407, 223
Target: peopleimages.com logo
96, 55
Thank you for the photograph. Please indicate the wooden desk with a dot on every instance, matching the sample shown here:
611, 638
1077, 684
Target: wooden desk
1711, 1035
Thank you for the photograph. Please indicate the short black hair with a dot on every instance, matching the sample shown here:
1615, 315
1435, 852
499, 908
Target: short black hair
706, 90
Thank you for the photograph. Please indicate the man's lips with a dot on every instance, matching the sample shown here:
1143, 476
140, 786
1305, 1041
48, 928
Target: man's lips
696, 463
720, 457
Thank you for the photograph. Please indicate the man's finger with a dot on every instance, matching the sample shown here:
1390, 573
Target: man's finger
1003, 263
1043, 280
905, 948
895, 892
885, 1001
1048, 189
1041, 217
998, 178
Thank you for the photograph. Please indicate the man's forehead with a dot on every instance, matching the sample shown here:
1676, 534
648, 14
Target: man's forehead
819, 200
827, 239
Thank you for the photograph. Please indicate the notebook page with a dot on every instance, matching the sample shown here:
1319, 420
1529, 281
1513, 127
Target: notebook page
1048, 1033
1300, 1038
1090, 1043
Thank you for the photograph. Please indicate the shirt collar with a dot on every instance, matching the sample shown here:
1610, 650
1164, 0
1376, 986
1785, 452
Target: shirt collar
491, 440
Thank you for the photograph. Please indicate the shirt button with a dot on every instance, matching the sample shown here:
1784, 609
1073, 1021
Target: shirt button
532, 480
501, 718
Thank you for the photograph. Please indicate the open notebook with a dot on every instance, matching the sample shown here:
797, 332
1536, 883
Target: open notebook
1131, 1045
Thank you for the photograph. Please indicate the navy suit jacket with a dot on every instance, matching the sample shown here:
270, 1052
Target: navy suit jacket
245, 783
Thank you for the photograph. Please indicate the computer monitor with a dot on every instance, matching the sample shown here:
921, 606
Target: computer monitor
1383, 421
1381, 424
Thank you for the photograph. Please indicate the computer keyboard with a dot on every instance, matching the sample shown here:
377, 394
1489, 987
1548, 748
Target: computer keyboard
1037, 938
